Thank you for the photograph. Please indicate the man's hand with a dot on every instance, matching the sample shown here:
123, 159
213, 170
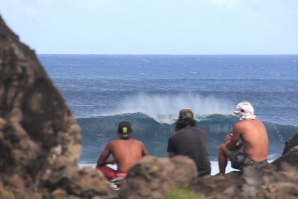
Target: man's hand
228, 137
239, 145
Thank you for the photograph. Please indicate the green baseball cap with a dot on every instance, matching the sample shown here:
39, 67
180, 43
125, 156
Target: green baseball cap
186, 113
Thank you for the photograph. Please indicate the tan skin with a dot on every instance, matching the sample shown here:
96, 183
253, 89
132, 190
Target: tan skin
126, 153
254, 140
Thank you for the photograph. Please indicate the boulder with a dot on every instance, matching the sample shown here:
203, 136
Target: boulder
250, 183
290, 154
290, 143
40, 141
290, 157
153, 177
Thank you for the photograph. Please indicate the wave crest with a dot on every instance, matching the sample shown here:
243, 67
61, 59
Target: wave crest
98, 131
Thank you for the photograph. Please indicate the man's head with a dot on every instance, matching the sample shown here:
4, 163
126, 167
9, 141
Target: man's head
186, 118
124, 129
186, 113
245, 111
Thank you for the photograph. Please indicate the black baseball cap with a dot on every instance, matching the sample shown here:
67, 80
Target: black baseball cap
124, 128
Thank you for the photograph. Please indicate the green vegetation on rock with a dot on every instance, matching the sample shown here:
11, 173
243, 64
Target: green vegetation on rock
182, 193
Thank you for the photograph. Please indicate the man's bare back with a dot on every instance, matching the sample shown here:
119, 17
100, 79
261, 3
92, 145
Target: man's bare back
254, 138
127, 153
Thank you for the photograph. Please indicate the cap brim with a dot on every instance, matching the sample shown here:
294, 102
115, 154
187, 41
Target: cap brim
126, 135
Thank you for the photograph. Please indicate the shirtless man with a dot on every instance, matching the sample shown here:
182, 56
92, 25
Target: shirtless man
254, 140
125, 151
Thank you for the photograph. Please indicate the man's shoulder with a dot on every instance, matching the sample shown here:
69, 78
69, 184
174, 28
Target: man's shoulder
188, 129
247, 122
111, 143
137, 141
175, 134
198, 128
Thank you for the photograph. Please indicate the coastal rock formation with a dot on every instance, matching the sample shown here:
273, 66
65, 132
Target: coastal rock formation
40, 141
153, 177
251, 183
290, 144
290, 153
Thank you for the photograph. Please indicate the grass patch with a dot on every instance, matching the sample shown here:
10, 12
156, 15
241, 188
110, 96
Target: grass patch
182, 193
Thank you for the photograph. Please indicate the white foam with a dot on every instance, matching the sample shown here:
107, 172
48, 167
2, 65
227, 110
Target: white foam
165, 108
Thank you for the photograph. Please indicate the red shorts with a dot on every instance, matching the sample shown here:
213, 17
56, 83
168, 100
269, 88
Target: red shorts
110, 173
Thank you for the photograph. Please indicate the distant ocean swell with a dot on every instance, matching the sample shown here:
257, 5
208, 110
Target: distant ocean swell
154, 131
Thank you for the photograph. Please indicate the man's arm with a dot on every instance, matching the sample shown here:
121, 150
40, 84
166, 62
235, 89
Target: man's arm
144, 151
102, 160
234, 144
171, 150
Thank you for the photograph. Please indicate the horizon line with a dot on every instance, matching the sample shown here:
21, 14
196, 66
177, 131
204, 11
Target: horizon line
153, 54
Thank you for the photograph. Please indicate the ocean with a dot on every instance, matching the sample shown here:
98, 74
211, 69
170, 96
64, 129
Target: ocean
149, 91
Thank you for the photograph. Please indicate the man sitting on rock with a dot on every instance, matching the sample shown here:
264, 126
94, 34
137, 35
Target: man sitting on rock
190, 141
254, 140
125, 151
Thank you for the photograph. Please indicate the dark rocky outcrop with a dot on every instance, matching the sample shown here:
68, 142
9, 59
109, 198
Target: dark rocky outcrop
290, 153
290, 144
40, 141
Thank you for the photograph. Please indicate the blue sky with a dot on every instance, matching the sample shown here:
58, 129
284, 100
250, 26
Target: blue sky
155, 26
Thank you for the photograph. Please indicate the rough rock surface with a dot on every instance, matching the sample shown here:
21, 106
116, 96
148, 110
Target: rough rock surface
290, 144
40, 141
251, 183
153, 177
290, 153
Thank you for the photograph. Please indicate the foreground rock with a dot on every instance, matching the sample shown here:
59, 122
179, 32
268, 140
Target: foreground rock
290, 153
251, 183
153, 177
40, 141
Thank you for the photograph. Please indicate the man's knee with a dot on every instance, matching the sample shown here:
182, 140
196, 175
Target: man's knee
223, 149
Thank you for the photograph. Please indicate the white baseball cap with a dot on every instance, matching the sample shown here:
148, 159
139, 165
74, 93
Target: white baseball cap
245, 110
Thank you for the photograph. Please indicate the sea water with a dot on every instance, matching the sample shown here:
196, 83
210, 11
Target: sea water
149, 91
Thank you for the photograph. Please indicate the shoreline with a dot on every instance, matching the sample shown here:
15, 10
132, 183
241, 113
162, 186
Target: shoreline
214, 166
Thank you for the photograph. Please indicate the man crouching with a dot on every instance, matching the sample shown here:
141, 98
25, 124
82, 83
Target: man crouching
254, 140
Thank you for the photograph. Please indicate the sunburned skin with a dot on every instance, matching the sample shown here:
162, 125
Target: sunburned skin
126, 153
254, 138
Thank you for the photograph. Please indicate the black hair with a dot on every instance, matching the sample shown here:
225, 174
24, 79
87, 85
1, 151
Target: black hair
181, 123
